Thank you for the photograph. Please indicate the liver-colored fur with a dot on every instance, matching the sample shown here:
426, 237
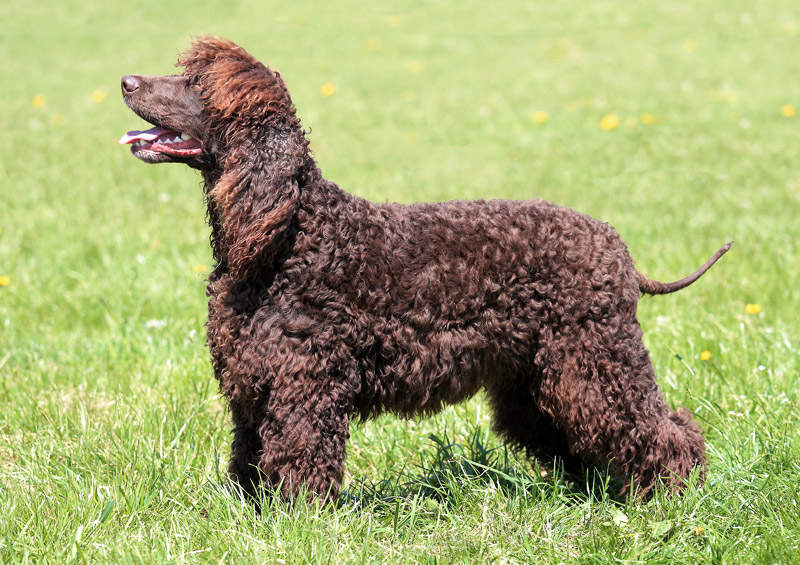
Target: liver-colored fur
324, 306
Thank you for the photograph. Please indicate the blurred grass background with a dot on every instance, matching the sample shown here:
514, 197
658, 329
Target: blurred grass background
673, 122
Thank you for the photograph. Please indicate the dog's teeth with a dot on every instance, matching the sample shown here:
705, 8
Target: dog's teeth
185, 136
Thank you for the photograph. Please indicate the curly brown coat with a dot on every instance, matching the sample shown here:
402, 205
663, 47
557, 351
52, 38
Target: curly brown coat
324, 306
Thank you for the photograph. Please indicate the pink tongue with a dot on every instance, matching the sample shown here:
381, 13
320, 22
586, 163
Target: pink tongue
146, 135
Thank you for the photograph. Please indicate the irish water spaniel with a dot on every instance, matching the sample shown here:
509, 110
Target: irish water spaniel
324, 306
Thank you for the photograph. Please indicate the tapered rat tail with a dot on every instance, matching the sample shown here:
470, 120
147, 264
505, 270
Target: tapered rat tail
648, 286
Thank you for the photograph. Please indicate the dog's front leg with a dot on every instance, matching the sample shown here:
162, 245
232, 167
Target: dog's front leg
246, 446
303, 437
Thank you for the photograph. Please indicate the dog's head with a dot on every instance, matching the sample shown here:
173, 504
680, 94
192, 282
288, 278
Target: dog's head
231, 117
225, 99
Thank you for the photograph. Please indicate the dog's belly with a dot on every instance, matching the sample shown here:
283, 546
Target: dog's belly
410, 370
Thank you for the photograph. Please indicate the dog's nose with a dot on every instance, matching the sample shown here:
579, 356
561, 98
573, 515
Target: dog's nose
130, 84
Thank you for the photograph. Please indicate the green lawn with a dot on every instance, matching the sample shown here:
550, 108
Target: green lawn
113, 441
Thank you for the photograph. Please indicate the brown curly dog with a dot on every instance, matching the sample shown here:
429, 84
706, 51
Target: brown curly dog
324, 306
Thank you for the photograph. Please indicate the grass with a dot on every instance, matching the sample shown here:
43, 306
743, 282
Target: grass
113, 440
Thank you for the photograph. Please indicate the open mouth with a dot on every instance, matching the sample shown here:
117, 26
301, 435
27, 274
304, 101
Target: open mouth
154, 144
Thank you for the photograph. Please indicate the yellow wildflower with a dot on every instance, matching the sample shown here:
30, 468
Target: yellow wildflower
414, 66
38, 101
789, 28
609, 122
698, 531
690, 45
705, 355
5, 280
561, 50
788, 111
726, 94
752, 309
394, 21
200, 269
98, 96
539, 116
647, 118
372, 44
327, 89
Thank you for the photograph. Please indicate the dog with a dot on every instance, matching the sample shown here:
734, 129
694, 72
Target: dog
324, 307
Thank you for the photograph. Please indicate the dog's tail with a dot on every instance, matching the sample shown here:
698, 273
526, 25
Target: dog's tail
648, 286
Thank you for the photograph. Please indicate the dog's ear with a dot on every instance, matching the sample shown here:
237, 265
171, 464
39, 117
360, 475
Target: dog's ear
261, 150
255, 200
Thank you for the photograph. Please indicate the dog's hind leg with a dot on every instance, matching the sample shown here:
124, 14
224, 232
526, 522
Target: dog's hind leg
599, 387
519, 420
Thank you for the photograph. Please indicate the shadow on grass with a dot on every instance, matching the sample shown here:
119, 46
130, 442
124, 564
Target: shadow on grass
449, 475
453, 470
